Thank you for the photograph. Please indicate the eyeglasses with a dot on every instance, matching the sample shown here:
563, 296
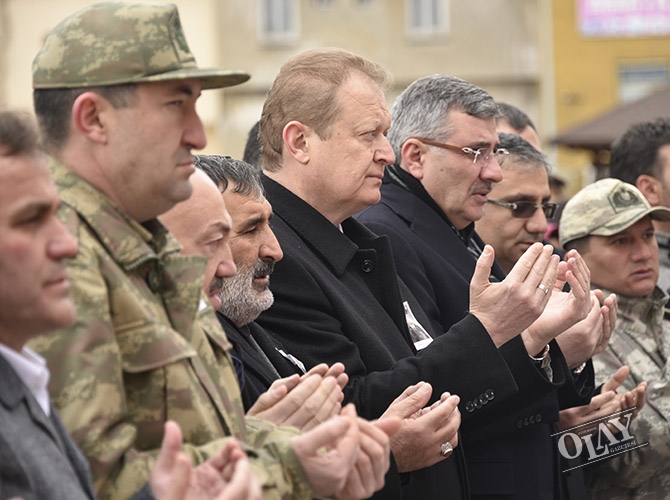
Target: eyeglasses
526, 209
499, 154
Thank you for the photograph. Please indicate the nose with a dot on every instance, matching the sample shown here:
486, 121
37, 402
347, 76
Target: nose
537, 223
642, 250
385, 154
226, 267
270, 248
62, 245
491, 171
194, 133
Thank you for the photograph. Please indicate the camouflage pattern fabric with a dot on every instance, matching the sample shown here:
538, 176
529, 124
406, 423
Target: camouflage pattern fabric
604, 208
146, 347
111, 43
641, 340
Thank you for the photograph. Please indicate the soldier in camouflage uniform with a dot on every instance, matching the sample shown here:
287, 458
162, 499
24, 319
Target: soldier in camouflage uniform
610, 223
37, 457
115, 91
641, 156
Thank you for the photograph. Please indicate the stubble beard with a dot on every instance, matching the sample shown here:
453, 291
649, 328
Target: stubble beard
241, 302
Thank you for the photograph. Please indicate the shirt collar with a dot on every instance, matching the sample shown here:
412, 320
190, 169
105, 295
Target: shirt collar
32, 369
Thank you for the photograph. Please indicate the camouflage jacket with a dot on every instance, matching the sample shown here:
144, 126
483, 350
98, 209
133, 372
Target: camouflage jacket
641, 340
146, 348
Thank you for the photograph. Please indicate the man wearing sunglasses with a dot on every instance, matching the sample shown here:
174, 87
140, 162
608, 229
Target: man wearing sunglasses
448, 158
518, 206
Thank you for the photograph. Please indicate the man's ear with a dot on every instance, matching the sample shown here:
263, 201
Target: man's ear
89, 115
651, 188
295, 136
412, 157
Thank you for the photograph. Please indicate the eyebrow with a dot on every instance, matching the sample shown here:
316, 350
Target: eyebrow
249, 223
35, 207
524, 197
185, 89
214, 229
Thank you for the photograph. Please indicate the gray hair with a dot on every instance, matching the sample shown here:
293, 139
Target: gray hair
224, 170
421, 109
18, 134
521, 152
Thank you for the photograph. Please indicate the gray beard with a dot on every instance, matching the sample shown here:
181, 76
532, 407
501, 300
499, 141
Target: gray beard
240, 301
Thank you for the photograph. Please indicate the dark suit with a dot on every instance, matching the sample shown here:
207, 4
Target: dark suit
338, 298
259, 370
511, 453
38, 460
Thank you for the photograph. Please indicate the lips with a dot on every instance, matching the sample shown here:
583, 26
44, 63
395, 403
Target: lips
643, 273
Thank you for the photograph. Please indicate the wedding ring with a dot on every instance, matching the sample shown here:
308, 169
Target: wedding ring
543, 288
446, 449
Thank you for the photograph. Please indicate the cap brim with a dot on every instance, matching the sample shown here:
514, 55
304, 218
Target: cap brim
625, 220
209, 78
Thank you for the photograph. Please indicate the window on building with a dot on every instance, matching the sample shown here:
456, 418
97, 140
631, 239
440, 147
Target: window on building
639, 80
279, 21
426, 18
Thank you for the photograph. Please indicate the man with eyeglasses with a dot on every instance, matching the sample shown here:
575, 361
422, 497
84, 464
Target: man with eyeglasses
337, 294
518, 206
448, 159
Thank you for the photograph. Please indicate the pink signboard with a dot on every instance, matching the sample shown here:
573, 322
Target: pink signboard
624, 18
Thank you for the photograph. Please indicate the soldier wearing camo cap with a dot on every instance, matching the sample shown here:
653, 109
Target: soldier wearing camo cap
610, 223
115, 93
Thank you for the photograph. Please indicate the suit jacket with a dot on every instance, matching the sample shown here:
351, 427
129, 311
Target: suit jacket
38, 459
509, 449
338, 298
258, 372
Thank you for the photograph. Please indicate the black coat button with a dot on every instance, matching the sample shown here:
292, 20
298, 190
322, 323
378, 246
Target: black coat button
367, 266
490, 394
469, 407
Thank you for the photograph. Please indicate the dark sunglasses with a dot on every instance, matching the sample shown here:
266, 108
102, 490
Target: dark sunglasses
526, 209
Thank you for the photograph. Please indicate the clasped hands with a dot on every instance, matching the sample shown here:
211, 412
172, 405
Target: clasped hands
531, 301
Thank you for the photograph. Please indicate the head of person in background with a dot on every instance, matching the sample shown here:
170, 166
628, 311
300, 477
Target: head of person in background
511, 120
518, 206
34, 244
254, 247
610, 223
556, 188
252, 149
202, 225
443, 134
641, 156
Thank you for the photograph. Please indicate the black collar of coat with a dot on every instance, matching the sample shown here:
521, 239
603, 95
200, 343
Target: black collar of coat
396, 175
316, 231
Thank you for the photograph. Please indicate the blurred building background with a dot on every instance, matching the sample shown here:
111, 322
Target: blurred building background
561, 61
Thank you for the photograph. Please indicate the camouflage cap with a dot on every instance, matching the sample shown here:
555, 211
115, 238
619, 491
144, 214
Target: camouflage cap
117, 42
605, 208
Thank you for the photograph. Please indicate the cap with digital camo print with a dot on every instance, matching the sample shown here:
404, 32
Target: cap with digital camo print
114, 43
